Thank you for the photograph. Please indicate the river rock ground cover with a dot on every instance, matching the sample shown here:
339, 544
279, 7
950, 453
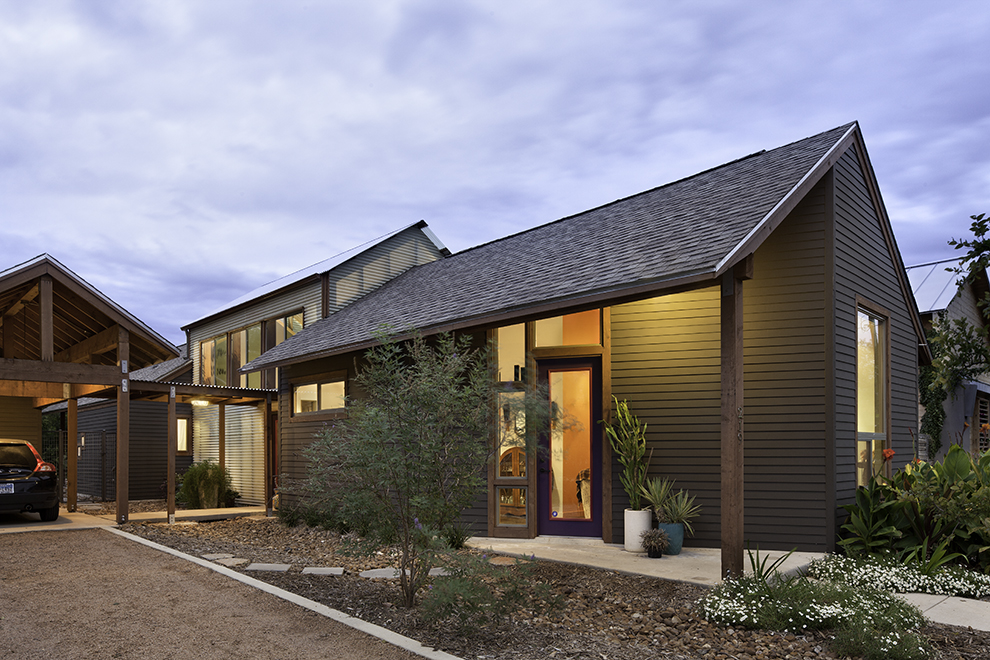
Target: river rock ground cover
601, 614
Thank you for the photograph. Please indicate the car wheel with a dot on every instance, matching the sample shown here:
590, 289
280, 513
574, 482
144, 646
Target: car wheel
48, 515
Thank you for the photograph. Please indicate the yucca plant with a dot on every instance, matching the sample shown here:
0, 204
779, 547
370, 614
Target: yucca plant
628, 438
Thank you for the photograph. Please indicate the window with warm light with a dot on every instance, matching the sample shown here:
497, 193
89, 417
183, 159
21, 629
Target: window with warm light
871, 395
182, 436
320, 396
582, 328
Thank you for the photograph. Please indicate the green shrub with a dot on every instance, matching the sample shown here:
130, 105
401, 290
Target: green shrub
928, 514
474, 592
206, 485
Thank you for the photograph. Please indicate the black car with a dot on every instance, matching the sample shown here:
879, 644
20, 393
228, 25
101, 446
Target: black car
27, 483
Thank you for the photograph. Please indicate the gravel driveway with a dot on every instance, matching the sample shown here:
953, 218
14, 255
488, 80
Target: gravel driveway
92, 594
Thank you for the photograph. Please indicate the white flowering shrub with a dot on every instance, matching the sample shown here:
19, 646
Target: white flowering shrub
888, 574
865, 621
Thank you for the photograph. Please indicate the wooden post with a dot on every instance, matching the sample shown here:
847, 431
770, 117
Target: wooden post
269, 455
123, 425
732, 425
222, 427
173, 439
47, 320
72, 452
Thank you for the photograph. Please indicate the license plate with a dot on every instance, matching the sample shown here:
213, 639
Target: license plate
6, 488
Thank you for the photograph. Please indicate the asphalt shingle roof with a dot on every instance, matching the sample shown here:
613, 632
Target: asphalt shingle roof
683, 229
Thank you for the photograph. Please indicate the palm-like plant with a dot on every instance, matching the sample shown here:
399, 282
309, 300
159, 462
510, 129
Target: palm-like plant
628, 438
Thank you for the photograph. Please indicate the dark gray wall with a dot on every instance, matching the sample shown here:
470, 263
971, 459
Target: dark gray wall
148, 463
864, 266
666, 362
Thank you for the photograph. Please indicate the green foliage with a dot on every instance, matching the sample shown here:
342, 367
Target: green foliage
800, 605
762, 573
412, 452
959, 352
655, 540
890, 574
656, 491
680, 508
628, 438
206, 485
977, 257
932, 397
456, 536
474, 592
928, 514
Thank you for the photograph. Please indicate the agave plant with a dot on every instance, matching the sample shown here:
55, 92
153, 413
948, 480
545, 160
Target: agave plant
680, 508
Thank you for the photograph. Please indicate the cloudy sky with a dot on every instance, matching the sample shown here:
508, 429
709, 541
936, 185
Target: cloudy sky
177, 154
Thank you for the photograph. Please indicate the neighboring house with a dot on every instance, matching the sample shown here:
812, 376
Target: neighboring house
769, 289
148, 464
938, 292
221, 342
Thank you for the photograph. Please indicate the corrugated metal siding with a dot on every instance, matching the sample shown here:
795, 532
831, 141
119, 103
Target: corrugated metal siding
864, 267
243, 443
308, 297
19, 420
372, 268
665, 361
785, 415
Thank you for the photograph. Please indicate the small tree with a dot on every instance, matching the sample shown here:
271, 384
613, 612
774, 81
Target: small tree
412, 452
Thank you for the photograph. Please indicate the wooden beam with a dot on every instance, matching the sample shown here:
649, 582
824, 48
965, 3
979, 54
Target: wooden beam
72, 454
173, 437
54, 391
269, 453
47, 320
12, 311
83, 352
732, 471
123, 426
58, 372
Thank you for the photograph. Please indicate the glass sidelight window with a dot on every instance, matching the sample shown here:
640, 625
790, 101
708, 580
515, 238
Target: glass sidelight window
872, 397
570, 445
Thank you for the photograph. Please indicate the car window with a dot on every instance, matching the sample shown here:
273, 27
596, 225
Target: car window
17, 455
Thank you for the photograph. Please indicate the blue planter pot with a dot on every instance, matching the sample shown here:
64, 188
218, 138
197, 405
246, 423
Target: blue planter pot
675, 532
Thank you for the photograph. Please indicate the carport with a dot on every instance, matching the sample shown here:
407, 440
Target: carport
60, 340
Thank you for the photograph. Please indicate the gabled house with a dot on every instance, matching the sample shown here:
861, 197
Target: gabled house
756, 315
224, 340
938, 293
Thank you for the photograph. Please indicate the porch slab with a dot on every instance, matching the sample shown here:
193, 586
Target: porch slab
232, 562
700, 566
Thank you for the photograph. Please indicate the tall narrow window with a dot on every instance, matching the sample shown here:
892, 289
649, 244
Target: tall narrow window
182, 436
871, 395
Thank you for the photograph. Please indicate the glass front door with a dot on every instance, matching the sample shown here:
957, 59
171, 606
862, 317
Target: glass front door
569, 480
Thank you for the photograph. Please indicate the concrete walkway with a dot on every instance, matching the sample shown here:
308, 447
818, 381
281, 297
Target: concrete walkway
702, 566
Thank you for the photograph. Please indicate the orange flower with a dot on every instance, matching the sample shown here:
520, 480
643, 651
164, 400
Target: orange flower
888, 454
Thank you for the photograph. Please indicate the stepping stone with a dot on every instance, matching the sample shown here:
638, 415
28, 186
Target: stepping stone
221, 555
387, 573
439, 571
316, 570
232, 561
278, 568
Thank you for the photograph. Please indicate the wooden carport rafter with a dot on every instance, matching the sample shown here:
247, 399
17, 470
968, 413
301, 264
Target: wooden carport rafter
62, 339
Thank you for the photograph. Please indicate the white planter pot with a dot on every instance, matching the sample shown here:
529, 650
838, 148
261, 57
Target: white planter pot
635, 523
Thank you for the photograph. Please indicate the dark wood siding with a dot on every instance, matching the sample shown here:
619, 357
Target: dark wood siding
865, 267
148, 462
785, 416
665, 361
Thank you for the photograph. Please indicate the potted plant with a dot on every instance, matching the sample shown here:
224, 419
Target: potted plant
627, 436
678, 512
655, 541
